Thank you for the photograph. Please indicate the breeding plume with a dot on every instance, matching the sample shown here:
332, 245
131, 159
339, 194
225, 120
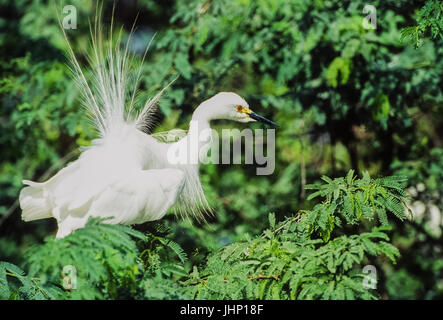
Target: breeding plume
125, 175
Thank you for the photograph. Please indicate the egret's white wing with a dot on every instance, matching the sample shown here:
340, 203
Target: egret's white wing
37, 200
72, 188
107, 162
139, 197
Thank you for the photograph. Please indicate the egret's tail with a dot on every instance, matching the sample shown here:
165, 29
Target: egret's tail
33, 203
110, 85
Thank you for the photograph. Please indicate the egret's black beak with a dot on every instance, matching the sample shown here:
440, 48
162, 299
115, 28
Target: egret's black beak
258, 117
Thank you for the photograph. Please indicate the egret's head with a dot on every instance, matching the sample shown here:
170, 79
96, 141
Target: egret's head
229, 105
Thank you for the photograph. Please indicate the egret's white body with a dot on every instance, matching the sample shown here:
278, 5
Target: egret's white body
125, 174
117, 177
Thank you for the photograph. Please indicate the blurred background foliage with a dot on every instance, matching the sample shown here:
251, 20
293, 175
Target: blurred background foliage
344, 97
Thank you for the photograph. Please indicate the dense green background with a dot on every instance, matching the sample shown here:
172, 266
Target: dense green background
344, 97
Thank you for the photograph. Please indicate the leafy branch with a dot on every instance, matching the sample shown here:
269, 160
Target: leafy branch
348, 200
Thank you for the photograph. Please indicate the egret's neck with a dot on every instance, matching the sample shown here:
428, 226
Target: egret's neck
203, 113
200, 134
201, 118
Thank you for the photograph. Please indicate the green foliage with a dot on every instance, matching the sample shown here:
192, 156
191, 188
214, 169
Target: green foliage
28, 288
338, 66
99, 261
397, 283
352, 199
429, 21
287, 263
287, 266
105, 258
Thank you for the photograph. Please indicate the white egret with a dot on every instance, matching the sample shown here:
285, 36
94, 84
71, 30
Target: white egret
125, 174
